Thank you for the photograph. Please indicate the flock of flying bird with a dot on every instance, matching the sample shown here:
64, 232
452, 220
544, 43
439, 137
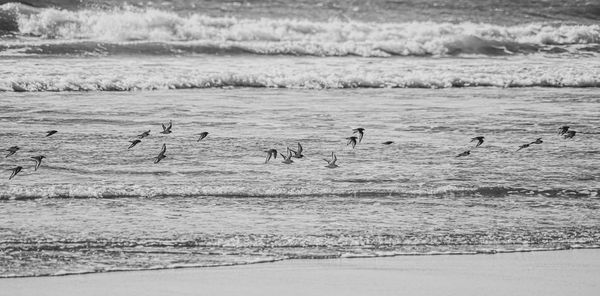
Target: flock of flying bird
562, 131
272, 153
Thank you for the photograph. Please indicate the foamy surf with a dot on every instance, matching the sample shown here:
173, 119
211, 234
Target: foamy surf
161, 73
119, 31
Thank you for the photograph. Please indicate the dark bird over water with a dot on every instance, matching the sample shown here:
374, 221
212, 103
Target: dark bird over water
144, 134
331, 162
15, 171
351, 140
133, 143
287, 159
270, 153
38, 161
537, 141
50, 133
361, 133
479, 141
298, 153
388, 142
563, 130
167, 129
466, 153
12, 150
202, 136
161, 154
569, 134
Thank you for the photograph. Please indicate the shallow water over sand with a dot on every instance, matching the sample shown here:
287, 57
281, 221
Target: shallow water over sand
215, 202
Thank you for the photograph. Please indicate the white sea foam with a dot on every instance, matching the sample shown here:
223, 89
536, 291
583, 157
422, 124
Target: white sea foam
301, 37
289, 79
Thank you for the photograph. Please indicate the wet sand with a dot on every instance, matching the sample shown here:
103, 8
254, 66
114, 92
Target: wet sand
572, 272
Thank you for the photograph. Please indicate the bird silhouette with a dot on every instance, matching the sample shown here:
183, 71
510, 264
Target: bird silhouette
563, 130
133, 143
161, 154
12, 150
15, 171
298, 153
466, 153
351, 141
167, 129
202, 136
569, 134
331, 162
479, 141
287, 159
361, 133
38, 161
144, 134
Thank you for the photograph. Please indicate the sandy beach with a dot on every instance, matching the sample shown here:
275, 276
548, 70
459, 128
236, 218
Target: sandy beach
573, 272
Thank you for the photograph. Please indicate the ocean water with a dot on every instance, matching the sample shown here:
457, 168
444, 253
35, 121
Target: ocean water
262, 75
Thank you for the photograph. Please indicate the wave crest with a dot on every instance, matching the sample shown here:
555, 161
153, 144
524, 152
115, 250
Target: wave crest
300, 37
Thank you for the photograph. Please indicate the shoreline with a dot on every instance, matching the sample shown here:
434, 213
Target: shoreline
559, 272
269, 261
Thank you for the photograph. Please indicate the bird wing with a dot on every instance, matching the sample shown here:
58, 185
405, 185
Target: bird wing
299, 148
164, 149
15, 171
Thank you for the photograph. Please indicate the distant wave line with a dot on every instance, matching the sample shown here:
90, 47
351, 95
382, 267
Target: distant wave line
82, 192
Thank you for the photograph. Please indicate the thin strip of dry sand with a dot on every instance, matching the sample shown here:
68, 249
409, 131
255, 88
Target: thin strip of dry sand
572, 272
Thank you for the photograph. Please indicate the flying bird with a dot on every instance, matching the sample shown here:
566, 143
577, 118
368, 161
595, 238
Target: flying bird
133, 143
331, 163
287, 159
15, 171
38, 161
161, 154
569, 134
563, 130
466, 153
12, 150
50, 133
271, 153
479, 141
351, 140
144, 134
537, 141
202, 136
388, 142
361, 133
298, 153
167, 129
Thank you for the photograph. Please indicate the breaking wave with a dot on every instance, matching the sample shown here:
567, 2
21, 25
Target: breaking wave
41, 31
305, 80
